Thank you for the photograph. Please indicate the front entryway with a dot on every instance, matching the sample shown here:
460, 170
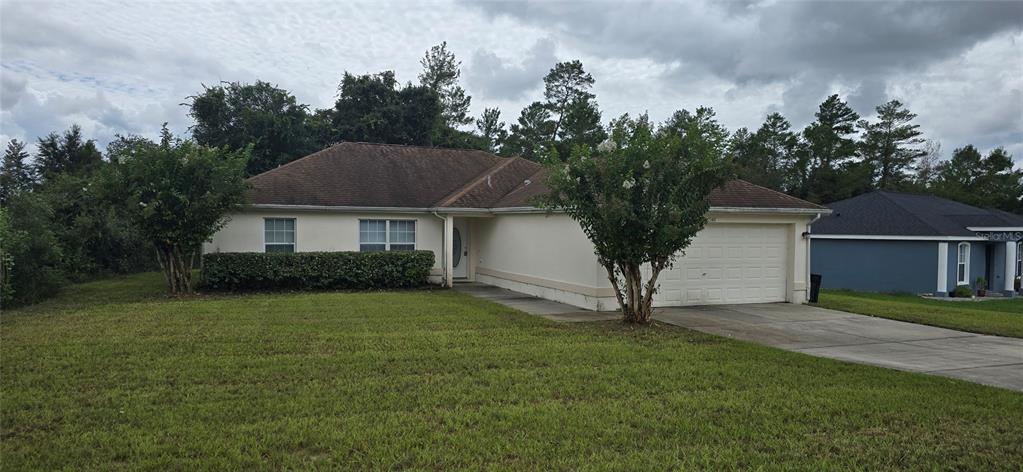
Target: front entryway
460, 248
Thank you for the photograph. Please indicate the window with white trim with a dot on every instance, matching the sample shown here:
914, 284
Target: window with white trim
387, 235
963, 264
279, 234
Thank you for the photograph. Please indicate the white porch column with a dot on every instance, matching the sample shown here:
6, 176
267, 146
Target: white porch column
942, 270
1010, 267
449, 269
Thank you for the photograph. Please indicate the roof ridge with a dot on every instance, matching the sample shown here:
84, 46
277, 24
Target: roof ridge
341, 143
419, 146
910, 213
521, 187
474, 182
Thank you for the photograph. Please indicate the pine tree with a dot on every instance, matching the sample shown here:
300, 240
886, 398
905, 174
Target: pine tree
829, 146
891, 144
441, 72
492, 129
16, 175
68, 153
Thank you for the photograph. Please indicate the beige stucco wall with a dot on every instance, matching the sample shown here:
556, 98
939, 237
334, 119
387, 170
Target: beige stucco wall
544, 255
549, 256
320, 231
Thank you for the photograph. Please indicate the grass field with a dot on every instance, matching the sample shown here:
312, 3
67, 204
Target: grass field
114, 376
999, 317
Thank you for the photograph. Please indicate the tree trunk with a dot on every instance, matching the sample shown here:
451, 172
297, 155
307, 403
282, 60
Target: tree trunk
176, 268
634, 298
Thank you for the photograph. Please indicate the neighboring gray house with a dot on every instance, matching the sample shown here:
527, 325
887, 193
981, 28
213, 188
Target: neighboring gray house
903, 242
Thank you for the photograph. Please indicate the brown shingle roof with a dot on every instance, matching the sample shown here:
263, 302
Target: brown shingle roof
742, 194
371, 175
385, 175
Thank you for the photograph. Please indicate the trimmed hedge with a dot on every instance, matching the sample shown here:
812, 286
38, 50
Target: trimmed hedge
315, 270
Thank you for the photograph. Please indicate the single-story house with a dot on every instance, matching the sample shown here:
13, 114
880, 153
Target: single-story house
473, 210
905, 242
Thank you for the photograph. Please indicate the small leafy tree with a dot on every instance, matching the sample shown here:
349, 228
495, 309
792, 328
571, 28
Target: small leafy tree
640, 197
178, 193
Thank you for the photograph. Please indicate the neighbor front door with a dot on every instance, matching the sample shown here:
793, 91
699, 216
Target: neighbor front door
460, 248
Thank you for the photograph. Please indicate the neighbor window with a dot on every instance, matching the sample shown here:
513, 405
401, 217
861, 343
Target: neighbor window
279, 234
963, 264
387, 235
1019, 259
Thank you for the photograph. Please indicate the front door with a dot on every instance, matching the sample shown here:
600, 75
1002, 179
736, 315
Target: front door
460, 249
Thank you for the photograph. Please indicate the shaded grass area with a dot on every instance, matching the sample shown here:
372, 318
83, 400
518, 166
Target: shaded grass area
998, 317
440, 380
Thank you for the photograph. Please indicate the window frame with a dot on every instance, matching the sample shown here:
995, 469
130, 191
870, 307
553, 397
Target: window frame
387, 234
963, 278
294, 233
1019, 258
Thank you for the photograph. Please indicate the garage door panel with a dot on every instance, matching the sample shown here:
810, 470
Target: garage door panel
729, 263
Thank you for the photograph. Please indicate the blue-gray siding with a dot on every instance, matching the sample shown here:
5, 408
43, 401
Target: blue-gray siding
877, 266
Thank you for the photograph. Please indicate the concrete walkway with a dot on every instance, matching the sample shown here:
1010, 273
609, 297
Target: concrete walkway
990, 360
534, 305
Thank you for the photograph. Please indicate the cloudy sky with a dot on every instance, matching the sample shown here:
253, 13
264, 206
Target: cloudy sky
119, 68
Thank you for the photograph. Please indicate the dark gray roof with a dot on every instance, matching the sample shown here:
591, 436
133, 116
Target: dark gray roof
908, 214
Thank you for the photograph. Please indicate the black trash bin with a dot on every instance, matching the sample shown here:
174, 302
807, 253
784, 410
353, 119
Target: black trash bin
815, 287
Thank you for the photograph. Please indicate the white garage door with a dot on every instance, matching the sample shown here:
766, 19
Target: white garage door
728, 263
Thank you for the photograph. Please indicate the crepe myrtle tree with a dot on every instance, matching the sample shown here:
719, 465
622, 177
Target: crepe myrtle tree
640, 197
178, 194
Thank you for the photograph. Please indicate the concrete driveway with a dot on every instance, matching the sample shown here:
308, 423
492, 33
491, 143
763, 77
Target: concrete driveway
990, 360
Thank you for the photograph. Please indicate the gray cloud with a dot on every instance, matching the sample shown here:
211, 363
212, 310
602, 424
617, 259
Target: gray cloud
126, 67
500, 79
770, 40
868, 51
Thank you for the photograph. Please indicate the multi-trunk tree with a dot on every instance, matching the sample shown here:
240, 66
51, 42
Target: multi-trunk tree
178, 194
640, 197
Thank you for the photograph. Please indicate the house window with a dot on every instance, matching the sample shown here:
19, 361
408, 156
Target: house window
963, 264
279, 234
387, 235
1019, 259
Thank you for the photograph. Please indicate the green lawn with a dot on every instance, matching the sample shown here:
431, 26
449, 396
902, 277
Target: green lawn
1000, 317
114, 376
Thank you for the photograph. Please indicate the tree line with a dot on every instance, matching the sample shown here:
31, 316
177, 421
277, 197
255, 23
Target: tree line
64, 215
838, 155
77, 214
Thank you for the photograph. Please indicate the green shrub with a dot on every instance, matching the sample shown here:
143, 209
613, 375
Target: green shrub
30, 254
315, 270
963, 291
